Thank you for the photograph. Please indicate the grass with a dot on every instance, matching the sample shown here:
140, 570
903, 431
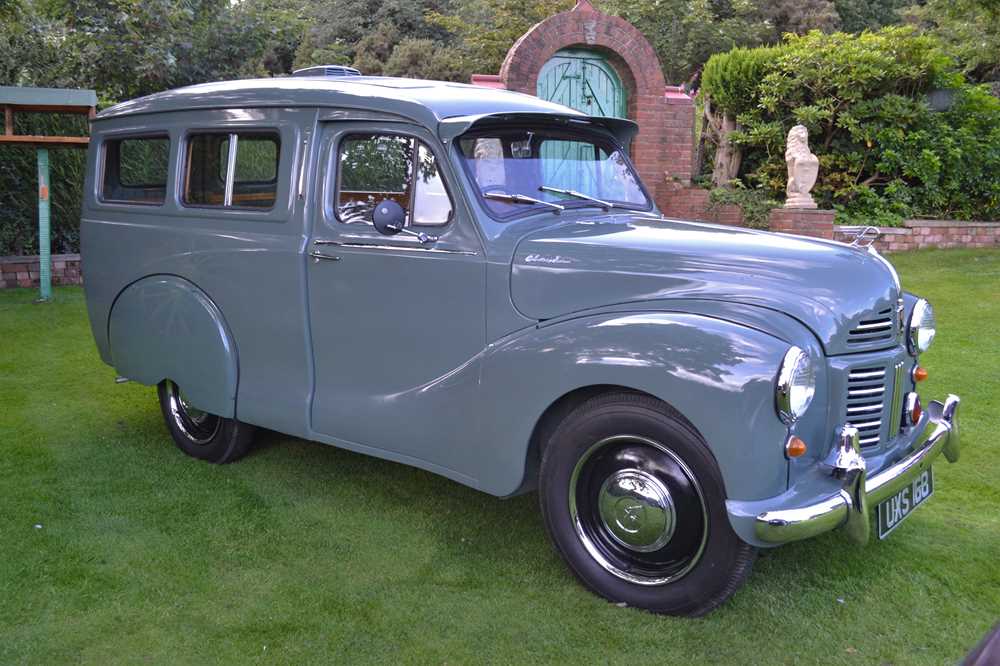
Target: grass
118, 548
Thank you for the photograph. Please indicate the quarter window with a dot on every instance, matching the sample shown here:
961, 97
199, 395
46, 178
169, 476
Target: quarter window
135, 170
238, 169
375, 167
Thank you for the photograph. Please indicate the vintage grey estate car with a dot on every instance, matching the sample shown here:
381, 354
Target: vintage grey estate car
475, 282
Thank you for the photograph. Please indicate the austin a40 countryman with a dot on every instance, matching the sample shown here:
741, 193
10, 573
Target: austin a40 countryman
476, 283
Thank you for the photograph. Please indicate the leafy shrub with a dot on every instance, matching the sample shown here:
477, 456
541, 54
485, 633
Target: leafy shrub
754, 203
884, 154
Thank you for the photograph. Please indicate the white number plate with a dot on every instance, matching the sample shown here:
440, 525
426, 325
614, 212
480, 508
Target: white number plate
892, 511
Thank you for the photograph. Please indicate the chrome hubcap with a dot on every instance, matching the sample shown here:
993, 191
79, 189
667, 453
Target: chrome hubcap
197, 425
636, 509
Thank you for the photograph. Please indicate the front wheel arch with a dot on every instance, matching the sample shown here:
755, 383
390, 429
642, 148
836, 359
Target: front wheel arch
560, 408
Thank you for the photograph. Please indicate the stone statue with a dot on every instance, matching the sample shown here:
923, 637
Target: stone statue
803, 168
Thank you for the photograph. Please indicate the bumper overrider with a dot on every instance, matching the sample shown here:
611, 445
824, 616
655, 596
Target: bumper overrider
849, 508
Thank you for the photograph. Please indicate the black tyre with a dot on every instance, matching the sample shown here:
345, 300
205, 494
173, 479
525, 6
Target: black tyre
634, 503
200, 434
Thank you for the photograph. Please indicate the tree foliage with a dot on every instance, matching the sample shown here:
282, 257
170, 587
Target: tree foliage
861, 15
969, 30
484, 30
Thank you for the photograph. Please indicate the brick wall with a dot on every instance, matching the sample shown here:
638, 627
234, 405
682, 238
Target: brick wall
803, 221
918, 234
23, 271
692, 203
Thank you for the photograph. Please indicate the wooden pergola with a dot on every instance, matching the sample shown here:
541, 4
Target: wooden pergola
44, 100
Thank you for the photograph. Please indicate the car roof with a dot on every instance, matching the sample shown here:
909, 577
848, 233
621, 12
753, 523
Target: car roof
427, 102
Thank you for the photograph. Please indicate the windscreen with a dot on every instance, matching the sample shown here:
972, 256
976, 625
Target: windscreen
556, 166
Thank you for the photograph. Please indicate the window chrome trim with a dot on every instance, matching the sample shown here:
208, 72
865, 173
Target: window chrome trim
227, 198
332, 205
396, 248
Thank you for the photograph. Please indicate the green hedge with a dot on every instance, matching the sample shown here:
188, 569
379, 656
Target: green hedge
885, 155
19, 188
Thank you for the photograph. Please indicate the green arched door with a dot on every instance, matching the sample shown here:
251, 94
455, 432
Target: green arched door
585, 81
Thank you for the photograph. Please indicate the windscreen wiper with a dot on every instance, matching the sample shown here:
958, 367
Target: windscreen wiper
606, 205
523, 199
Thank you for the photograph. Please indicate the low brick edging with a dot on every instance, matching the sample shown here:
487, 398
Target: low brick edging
919, 234
694, 203
24, 271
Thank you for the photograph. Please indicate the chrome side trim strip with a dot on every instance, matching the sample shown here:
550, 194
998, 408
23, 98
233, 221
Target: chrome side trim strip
853, 393
877, 326
871, 374
869, 408
896, 414
395, 248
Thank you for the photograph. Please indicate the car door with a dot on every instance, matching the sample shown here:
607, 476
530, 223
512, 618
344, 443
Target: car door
397, 322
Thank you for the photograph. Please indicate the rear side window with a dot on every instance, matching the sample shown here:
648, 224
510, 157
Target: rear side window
135, 170
238, 169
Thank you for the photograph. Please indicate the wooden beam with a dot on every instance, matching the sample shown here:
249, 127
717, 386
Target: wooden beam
45, 141
8, 120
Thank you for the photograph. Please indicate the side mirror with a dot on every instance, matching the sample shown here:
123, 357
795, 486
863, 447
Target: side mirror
389, 217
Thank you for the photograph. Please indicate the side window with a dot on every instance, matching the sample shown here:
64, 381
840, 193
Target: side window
237, 169
135, 170
375, 167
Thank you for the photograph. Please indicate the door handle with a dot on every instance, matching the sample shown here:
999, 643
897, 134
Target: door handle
319, 255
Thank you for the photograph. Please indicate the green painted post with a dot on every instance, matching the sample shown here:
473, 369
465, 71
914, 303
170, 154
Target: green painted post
44, 250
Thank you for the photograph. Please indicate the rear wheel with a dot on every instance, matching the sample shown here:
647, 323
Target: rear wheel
634, 503
201, 434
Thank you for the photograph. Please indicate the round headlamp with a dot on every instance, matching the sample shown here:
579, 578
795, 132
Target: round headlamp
921, 329
796, 385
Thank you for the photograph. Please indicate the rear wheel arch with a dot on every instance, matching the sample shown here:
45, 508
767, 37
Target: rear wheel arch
166, 327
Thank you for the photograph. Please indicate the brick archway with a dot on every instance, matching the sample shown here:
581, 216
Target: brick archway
662, 150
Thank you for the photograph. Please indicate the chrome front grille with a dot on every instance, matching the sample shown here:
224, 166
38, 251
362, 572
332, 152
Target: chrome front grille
875, 401
877, 329
866, 402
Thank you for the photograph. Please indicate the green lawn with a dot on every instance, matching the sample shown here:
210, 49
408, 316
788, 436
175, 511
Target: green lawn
118, 548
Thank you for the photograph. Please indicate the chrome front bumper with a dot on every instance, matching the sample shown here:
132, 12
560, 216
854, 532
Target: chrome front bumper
850, 506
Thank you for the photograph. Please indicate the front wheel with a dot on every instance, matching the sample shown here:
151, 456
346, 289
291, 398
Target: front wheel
634, 503
200, 434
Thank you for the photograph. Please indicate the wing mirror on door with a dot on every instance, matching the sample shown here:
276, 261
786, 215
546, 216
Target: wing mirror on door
389, 219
